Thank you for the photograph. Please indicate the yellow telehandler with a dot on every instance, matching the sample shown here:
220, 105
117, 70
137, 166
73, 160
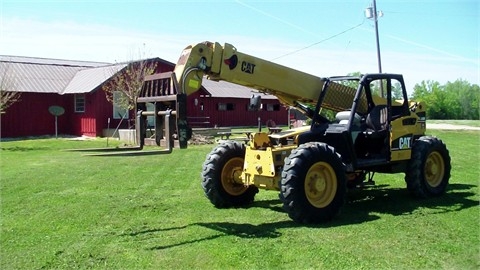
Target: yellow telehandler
354, 133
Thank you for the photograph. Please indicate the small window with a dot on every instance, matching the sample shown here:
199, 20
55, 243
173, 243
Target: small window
79, 103
222, 106
273, 107
118, 111
226, 106
150, 118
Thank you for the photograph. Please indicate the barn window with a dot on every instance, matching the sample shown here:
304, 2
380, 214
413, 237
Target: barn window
273, 107
118, 111
226, 106
79, 103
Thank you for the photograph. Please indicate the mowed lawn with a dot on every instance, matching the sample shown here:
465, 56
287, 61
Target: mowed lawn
63, 210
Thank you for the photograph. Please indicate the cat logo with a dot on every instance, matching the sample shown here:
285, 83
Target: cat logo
404, 142
248, 67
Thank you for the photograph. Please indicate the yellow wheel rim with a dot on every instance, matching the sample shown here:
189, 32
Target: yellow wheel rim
320, 184
434, 169
231, 177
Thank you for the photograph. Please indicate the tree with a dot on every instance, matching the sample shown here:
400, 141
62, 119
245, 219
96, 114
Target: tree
8, 87
353, 84
426, 91
397, 91
454, 100
124, 87
463, 99
475, 103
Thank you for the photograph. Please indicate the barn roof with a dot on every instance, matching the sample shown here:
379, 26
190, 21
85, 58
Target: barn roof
88, 79
222, 89
49, 61
41, 75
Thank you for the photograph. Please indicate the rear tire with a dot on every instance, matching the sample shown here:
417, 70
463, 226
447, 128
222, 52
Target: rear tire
221, 176
428, 171
313, 185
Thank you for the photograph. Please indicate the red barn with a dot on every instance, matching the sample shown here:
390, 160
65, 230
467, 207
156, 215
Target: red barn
223, 104
76, 87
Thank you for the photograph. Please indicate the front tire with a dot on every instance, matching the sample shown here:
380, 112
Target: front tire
313, 185
428, 171
221, 176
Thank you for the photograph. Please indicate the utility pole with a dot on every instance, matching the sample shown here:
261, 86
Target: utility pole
371, 13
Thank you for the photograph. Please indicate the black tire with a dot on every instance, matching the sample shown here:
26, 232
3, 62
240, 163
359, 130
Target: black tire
313, 185
428, 171
221, 173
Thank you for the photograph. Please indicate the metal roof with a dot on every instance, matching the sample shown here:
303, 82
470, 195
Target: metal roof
40, 75
224, 89
86, 80
49, 61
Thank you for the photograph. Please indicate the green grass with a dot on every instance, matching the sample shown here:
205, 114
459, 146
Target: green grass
63, 210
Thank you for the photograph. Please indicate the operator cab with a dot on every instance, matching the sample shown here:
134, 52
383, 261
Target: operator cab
355, 114
373, 146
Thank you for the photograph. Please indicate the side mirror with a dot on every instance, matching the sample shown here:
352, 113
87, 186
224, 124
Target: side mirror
255, 102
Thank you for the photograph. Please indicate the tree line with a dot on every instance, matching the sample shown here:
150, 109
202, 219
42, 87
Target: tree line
459, 100
453, 100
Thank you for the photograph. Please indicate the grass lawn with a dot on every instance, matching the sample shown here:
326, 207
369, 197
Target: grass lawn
63, 210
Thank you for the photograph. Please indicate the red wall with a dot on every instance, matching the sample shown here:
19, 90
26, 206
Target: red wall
30, 116
240, 116
95, 118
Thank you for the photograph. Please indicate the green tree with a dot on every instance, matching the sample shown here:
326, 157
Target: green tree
397, 91
463, 99
353, 84
475, 103
124, 87
454, 100
428, 92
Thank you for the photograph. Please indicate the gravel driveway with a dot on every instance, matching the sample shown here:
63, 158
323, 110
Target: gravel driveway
451, 127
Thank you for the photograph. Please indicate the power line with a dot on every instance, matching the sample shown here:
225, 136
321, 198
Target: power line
453, 13
321, 41
276, 18
295, 26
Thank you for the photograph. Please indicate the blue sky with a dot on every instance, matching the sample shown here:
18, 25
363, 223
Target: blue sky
424, 40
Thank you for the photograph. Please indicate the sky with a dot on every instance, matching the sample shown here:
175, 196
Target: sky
422, 39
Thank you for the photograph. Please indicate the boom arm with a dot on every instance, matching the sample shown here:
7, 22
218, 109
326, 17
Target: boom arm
168, 93
226, 63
